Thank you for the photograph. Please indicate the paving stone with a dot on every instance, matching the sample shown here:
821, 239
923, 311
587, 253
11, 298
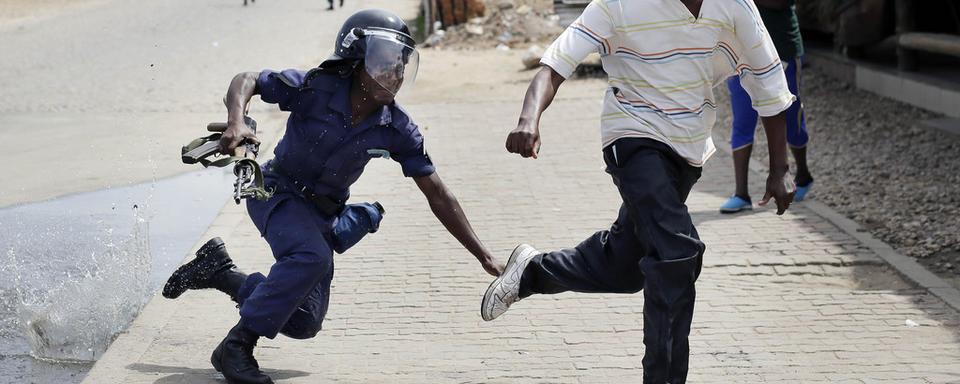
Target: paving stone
782, 298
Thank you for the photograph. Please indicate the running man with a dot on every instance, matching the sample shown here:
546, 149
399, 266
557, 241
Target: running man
663, 58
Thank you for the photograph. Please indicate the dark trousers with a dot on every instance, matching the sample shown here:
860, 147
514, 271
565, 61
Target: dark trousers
293, 298
652, 246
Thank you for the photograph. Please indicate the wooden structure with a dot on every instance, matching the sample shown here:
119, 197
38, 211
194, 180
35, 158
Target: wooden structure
909, 41
910, 26
451, 12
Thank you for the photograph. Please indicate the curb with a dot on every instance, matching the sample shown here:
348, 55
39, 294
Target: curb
905, 266
132, 343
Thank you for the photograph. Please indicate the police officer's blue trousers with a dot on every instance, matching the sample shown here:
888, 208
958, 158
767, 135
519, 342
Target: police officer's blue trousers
652, 246
292, 299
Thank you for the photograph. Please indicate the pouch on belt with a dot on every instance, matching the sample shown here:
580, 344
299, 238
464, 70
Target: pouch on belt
355, 222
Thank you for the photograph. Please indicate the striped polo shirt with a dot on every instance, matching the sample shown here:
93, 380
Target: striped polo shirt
663, 64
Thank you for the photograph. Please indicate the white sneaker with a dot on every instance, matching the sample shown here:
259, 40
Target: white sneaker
505, 289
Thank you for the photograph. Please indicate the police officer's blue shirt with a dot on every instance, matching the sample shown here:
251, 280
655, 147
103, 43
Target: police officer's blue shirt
320, 147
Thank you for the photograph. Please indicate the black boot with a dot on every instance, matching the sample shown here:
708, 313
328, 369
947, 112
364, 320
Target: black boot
234, 358
212, 268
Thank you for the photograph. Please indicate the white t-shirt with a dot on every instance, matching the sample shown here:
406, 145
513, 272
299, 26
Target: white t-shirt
663, 64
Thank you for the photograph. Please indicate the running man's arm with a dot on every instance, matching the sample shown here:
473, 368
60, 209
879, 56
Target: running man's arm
242, 89
525, 139
447, 209
591, 32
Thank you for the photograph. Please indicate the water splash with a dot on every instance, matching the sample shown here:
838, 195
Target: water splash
74, 270
73, 312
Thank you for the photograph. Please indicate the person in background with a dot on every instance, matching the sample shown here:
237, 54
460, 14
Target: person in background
780, 18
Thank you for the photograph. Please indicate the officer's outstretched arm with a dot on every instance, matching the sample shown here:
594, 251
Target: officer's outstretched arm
447, 209
242, 89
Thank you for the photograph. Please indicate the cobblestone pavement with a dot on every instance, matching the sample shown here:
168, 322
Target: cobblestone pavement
782, 299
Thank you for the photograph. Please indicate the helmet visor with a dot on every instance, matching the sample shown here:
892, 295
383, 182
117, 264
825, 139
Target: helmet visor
391, 62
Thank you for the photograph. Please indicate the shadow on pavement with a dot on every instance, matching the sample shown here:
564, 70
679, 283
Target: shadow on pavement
207, 375
704, 216
893, 307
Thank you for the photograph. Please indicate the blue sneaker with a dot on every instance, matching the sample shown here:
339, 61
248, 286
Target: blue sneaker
802, 192
735, 204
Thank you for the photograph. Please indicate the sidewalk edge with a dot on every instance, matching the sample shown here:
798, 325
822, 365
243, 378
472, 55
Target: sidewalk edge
905, 266
132, 343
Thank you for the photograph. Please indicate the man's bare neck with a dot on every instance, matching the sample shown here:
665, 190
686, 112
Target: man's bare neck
693, 6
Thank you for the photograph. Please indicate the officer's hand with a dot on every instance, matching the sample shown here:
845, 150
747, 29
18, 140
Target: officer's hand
235, 135
781, 189
524, 140
493, 266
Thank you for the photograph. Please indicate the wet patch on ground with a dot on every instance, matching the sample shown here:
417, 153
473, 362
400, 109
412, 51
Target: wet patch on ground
77, 269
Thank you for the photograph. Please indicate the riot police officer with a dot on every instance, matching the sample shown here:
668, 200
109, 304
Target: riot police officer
342, 114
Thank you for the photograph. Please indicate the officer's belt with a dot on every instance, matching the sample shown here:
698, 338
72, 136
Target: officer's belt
328, 205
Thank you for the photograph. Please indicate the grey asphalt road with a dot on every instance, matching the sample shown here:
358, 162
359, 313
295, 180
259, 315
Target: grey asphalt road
104, 95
